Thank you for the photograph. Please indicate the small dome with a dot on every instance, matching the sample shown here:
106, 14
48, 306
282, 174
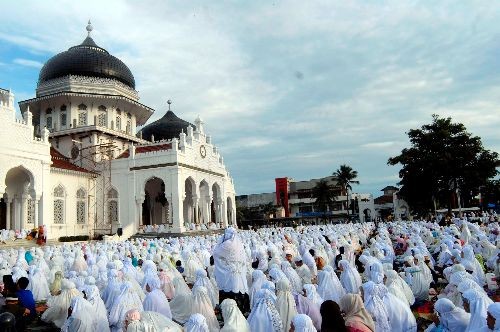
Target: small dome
168, 127
86, 59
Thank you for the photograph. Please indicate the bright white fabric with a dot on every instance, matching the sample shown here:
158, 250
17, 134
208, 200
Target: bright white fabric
57, 311
285, 302
180, 306
82, 318
156, 300
201, 305
234, 321
452, 318
230, 263
349, 277
329, 286
478, 304
303, 323
196, 323
264, 315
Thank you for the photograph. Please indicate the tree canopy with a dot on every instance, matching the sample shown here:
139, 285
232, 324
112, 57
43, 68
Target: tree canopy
443, 158
323, 195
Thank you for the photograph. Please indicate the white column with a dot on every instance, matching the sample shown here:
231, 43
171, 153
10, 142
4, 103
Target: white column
177, 190
196, 213
7, 213
224, 213
139, 200
24, 215
17, 212
35, 217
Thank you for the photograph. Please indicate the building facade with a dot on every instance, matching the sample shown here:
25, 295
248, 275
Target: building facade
79, 166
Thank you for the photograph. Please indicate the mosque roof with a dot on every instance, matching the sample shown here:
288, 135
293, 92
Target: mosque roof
86, 59
168, 127
62, 162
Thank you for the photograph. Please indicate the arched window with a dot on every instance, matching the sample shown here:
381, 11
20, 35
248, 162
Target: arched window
31, 211
59, 198
128, 129
82, 115
101, 116
48, 120
118, 123
112, 206
81, 206
63, 116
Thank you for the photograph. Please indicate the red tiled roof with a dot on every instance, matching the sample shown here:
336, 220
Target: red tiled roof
147, 148
383, 199
60, 161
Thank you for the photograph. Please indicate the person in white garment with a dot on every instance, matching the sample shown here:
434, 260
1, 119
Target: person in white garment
234, 321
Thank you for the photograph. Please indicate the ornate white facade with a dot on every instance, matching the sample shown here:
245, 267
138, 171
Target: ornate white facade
76, 164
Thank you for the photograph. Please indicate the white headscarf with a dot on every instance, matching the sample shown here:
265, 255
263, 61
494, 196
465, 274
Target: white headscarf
201, 305
180, 306
478, 309
58, 305
196, 323
234, 321
374, 303
285, 302
230, 263
329, 286
127, 300
303, 323
349, 277
258, 278
397, 286
81, 319
156, 300
264, 315
452, 318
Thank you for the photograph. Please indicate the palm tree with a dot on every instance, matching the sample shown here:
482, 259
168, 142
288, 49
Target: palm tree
323, 195
345, 177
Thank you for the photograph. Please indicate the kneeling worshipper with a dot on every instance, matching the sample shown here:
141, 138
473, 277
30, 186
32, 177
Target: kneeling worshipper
302, 323
234, 321
451, 317
398, 287
91, 294
58, 305
38, 284
264, 315
357, 318
231, 268
80, 317
155, 299
196, 323
148, 321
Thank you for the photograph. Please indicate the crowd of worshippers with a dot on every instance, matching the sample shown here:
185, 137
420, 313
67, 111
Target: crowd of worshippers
344, 277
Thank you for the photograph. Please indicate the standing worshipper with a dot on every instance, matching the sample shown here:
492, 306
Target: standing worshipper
231, 268
357, 319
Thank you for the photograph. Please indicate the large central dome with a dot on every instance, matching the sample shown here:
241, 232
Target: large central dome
86, 59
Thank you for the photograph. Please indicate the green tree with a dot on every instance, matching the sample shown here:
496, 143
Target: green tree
443, 160
323, 196
345, 178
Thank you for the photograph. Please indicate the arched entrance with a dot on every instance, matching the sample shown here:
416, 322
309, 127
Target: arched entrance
188, 204
229, 211
156, 206
18, 210
215, 206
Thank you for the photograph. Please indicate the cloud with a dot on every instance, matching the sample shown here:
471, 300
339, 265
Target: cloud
291, 88
28, 63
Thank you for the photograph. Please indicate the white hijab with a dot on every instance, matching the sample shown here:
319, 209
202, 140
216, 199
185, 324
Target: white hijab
201, 305
478, 309
329, 286
155, 299
180, 305
349, 278
399, 287
285, 302
264, 315
196, 323
452, 318
82, 318
234, 321
303, 323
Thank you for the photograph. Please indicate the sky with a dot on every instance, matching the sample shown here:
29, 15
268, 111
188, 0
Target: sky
286, 88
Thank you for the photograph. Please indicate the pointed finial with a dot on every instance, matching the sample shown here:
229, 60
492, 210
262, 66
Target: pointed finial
169, 102
89, 28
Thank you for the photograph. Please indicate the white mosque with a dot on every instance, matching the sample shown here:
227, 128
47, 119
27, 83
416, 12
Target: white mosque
75, 164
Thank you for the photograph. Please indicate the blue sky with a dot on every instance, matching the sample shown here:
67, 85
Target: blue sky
286, 88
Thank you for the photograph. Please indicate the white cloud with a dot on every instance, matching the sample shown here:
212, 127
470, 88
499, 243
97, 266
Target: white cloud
370, 71
28, 63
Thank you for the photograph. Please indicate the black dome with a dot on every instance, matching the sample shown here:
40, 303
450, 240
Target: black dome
168, 127
86, 59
